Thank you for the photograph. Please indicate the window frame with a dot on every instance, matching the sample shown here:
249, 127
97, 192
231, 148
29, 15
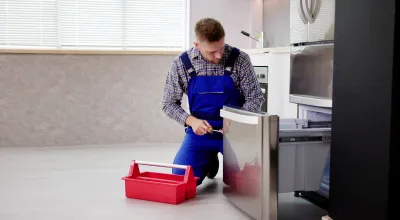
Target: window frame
107, 51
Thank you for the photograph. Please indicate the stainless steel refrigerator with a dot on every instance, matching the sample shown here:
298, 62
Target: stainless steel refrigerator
265, 155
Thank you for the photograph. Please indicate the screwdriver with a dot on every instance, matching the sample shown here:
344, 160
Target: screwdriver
210, 129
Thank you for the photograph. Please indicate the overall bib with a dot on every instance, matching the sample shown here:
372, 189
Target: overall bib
207, 95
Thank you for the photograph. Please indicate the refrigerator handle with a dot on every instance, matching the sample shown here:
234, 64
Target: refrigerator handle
301, 11
308, 4
246, 119
315, 8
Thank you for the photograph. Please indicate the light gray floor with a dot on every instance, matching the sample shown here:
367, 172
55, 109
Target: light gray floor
85, 183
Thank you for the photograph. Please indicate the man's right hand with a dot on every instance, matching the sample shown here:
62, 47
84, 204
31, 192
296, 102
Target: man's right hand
200, 127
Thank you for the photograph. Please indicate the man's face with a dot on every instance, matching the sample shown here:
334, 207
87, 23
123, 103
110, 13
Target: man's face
211, 51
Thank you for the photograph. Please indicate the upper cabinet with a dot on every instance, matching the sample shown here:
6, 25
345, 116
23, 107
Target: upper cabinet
311, 20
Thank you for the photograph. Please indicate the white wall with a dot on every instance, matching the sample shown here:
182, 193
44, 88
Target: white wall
276, 22
235, 16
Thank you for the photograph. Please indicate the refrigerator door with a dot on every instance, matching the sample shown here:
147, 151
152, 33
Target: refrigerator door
311, 75
322, 25
298, 22
247, 162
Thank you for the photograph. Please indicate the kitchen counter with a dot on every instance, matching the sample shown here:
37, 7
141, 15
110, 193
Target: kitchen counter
267, 50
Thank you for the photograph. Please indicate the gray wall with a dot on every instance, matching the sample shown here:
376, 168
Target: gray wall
66, 100
276, 22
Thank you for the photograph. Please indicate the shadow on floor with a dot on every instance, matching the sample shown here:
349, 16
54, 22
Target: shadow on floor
210, 187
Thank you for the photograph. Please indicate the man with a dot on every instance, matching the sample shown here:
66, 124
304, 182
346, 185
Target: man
212, 74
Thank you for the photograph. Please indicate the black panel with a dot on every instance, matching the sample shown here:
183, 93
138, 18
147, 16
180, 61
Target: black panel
363, 114
394, 173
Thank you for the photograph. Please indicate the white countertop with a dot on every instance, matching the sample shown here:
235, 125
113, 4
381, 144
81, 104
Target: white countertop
267, 50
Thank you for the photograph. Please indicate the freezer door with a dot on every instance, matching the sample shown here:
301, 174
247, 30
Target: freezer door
246, 173
303, 153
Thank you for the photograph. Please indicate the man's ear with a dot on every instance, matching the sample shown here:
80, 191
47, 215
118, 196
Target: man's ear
196, 44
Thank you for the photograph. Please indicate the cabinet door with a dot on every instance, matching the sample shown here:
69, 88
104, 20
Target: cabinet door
322, 28
298, 22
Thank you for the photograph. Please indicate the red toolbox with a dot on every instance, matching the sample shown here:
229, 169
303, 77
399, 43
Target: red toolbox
160, 187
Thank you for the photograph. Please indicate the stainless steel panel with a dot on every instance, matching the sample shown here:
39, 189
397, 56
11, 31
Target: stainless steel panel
261, 73
310, 100
249, 172
254, 165
243, 147
270, 167
312, 74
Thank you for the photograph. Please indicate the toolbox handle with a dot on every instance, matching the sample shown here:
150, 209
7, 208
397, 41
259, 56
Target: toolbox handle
166, 165
189, 175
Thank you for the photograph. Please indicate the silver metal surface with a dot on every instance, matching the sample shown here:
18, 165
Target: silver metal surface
261, 73
310, 100
242, 147
270, 167
248, 170
311, 75
265, 155
262, 40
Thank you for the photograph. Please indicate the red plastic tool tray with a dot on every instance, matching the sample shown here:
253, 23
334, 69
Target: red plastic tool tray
160, 187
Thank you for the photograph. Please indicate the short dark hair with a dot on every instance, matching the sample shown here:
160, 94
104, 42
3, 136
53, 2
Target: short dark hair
209, 29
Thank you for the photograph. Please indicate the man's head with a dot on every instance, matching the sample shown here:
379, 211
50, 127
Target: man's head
210, 39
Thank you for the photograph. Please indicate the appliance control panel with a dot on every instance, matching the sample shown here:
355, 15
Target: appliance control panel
261, 73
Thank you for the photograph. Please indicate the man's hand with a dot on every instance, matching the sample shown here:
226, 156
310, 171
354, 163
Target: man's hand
200, 127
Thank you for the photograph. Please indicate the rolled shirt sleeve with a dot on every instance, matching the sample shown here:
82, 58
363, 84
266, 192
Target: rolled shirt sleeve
249, 85
173, 93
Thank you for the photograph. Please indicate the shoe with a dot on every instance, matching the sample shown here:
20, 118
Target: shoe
213, 168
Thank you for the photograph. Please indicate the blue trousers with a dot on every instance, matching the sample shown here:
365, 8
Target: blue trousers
197, 151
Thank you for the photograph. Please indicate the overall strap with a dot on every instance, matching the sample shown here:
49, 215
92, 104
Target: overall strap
188, 65
231, 60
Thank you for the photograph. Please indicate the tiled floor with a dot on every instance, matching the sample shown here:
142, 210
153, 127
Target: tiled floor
85, 183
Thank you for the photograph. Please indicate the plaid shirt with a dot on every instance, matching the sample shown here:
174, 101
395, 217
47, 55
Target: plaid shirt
243, 75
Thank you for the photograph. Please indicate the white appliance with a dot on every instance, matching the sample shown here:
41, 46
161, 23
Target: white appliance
312, 34
311, 20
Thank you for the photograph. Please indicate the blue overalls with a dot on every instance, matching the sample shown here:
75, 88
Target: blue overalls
207, 95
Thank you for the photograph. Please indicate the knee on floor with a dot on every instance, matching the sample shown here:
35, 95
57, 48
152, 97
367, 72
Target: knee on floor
182, 172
